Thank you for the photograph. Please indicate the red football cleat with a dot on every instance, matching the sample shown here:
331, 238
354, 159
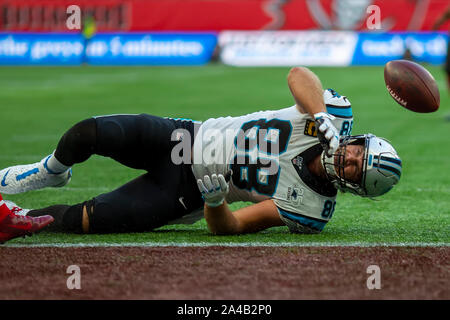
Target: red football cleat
14, 226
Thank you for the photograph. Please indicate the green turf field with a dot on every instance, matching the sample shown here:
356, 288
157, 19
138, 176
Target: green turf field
38, 104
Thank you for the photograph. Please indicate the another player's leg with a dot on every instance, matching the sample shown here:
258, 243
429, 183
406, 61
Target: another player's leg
13, 225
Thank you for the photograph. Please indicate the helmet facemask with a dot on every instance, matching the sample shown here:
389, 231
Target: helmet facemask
335, 166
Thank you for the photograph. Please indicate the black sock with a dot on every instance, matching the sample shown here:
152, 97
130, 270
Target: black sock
67, 218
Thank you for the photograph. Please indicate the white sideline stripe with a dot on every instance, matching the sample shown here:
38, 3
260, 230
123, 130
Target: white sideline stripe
227, 244
2, 203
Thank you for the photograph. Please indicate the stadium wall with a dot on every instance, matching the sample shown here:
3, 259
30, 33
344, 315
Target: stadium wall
219, 15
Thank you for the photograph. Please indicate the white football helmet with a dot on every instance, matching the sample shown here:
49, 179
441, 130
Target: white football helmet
381, 167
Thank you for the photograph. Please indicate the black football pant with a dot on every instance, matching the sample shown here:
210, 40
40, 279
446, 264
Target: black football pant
147, 202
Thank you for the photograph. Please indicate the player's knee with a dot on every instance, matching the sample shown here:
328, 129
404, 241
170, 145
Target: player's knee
78, 143
82, 134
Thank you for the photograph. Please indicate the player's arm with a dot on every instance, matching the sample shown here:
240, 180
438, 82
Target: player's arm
307, 91
221, 220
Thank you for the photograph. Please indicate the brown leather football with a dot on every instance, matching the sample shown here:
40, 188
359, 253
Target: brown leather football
412, 86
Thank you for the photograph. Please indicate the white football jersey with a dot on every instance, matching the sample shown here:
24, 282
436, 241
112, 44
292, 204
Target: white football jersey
267, 153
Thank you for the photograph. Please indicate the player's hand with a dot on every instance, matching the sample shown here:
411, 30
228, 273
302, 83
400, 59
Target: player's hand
326, 132
213, 189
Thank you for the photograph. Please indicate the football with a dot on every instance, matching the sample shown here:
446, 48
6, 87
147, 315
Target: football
412, 86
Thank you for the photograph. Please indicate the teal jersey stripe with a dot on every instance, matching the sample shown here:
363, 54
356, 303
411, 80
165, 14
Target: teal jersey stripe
340, 112
318, 225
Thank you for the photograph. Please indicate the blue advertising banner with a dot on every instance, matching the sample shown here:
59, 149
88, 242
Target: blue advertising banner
309, 48
40, 49
151, 49
379, 48
328, 48
107, 49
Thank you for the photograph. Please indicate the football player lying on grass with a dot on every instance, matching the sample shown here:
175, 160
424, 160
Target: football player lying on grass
289, 162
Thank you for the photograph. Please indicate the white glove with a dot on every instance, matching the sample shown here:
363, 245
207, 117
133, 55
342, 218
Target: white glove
213, 189
326, 132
